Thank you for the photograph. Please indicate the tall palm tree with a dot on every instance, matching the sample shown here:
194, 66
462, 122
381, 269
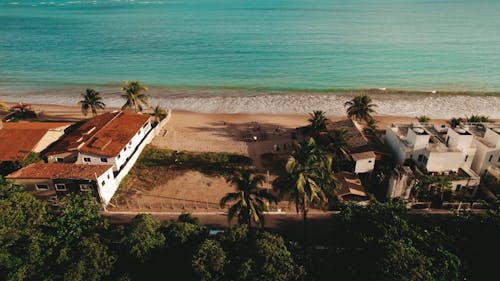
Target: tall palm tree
308, 178
159, 113
318, 122
250, 199
133, 93
360, 107
338, 146
91, 101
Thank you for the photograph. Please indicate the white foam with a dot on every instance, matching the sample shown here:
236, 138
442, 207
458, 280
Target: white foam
434, 106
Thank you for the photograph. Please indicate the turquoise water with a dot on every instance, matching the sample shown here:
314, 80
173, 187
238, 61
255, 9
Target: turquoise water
271, 44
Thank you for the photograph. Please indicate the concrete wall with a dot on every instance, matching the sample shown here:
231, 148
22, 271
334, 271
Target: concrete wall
444, 161
50, 137
364, 165
107, 186
482, 161
396, 145
401, 183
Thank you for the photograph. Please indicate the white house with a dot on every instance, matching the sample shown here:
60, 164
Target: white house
107, 139
438, 150
52, 180
487, 142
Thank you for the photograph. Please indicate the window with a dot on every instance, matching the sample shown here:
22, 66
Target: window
491, 157
41, 187
104, 160
85, 187
86, 159
125, 149
60, 187
459, 187
108, 176
411, 156
466, 157
119, 155
59, 159
103, 183
420, 157
145, 125
369, 161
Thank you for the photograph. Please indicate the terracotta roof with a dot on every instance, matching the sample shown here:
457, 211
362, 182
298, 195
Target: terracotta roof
106, 134
363, 155
17, 140
356, 140
349, 184
59, 171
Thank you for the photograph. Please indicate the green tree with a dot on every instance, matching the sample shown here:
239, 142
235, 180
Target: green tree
423, 119
209, 261
24, 246
249, 198
91, 101
317, 122
159, 113
80, 214
372, 123
360, 107
454, 122
86, 259
142, 236
133, 93
308, 179
478, 119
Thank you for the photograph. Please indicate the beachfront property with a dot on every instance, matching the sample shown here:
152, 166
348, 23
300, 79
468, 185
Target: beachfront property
360, 151
19, 139
49, 180
487, 143
438, 150
111, 138
350, 187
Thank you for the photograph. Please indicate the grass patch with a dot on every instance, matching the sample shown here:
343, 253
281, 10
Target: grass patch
209, 163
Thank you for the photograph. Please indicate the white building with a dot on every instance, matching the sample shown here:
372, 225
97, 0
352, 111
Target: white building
401, 183
436, 149
107, 139
53, 180
487, 143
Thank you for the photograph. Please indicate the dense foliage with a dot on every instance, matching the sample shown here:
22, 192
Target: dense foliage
376, 242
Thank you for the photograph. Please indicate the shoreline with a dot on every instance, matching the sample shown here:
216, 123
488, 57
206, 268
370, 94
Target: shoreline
436, 106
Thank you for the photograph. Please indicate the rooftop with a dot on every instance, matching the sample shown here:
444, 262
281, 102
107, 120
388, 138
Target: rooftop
357, 142
59, 171
18, 139
350, 184
106, 134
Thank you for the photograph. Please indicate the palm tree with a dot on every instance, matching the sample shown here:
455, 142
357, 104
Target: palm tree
308, 178
338, 146
455, 121
423, 119
441, 185
478, 119
159, 113
360, 107
250, 198
133, 93
318, 122
372, 124
91, 100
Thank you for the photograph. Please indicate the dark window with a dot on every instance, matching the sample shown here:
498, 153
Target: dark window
108, 177
420, 157
41, 187
466, 157
103, 183
85, 187
125, 149
86, 159
491, 157
459, 187
59, 159
104, 160
369, 161
119, 156
411, 156
60, 187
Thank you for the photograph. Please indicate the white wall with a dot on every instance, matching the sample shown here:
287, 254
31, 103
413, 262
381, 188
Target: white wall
395, 144
444, 161
481, 160
109, 188
364, 165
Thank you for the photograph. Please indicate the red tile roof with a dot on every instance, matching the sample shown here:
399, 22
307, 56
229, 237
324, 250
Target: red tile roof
17, 140
105, 135
59, 171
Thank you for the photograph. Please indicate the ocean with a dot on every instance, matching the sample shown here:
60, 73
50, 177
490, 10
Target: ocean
249, 47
